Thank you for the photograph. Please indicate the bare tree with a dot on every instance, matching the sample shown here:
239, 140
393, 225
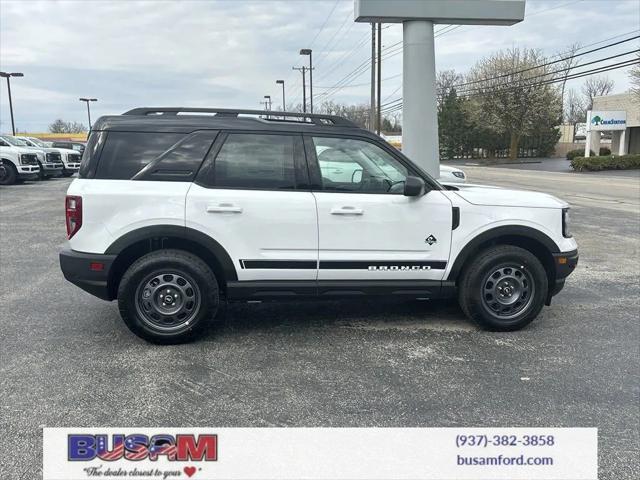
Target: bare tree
60, 126
596, 87
513, 99
634, 73
566, 66
575, 108
446, 80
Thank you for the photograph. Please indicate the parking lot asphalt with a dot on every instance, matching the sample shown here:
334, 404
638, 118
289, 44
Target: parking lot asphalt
66, 358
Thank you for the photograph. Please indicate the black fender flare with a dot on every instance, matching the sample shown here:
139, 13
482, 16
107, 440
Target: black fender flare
175, 231
494, 233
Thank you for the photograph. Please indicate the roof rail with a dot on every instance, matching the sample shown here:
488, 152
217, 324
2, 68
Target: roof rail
316, 118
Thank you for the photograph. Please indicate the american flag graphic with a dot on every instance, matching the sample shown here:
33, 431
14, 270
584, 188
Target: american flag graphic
103, 448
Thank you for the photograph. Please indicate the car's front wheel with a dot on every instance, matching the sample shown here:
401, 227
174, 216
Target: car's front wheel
8, 174
168, 296
504, 288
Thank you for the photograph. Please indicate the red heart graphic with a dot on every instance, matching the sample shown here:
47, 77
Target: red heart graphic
190, 471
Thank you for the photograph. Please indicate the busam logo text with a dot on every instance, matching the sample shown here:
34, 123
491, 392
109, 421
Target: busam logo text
136, 447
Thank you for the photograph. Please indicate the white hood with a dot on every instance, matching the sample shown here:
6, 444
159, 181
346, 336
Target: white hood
503, 197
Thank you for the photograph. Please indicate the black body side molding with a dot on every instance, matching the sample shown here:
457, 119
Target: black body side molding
175, 231
494, 233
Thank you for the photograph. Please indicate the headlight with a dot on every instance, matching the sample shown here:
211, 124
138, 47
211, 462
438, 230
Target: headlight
458, 174
566, 223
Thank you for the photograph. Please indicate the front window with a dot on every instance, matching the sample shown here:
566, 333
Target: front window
349, 165
37, 142
16, 142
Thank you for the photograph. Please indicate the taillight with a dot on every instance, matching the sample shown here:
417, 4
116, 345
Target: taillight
73, 214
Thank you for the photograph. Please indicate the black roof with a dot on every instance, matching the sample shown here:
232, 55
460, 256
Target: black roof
187, 120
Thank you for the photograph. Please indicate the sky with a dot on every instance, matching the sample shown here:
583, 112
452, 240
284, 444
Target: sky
230, 53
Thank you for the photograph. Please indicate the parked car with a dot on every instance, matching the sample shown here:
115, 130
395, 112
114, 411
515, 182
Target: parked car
173, 214
16, 163
49, 161
70, 158
77, 146
451, 175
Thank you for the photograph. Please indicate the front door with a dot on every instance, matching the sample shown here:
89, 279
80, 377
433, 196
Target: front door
368, 230
254, 200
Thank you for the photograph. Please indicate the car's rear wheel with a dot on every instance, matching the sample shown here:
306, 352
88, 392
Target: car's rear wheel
8, 174
504, 288
168, 296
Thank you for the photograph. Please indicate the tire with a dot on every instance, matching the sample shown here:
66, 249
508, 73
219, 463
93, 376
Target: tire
184, 279
66, 173
503, 289
41, 175
8, 174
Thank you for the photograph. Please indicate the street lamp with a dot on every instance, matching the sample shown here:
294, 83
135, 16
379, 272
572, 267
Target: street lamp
87, 100
7, 76
267, 103
307, 51
284, 105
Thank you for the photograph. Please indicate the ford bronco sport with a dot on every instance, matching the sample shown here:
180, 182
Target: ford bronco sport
179, 209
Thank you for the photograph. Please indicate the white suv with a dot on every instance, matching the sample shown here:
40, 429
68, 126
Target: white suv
178, 209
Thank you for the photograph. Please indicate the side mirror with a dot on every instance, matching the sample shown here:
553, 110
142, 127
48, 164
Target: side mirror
413, 187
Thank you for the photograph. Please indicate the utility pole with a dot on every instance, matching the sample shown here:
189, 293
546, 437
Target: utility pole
372, 106
87, 100
304, 88
379, 82
284, 104
8, 76
308, 51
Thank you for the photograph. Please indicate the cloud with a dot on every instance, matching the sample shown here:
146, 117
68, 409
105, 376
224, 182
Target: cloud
229, 53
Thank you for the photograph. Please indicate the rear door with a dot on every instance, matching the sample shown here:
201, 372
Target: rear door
368, 229
252, 196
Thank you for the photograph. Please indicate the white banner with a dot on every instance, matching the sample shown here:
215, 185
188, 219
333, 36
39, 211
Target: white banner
606, 120
320, 453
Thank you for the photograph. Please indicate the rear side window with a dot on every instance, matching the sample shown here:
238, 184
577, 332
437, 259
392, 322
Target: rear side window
255, 161
90, 155
126, 153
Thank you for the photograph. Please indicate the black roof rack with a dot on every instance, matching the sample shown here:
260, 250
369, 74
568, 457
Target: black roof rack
316, 118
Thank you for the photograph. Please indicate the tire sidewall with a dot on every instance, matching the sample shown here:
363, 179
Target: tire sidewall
483, 266
194, 268
11, 175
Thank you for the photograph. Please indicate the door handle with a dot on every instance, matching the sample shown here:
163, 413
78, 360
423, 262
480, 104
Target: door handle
224, 208
347, 210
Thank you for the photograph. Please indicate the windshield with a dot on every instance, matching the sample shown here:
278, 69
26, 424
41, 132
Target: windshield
16, 142
37, 142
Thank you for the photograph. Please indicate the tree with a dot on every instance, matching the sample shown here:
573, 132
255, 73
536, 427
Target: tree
452, 125
446, 80
60, 126
570, 62
510, 93
575, 108
596, 87
634, 73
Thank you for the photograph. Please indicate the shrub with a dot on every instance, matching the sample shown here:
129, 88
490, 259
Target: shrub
604, 151
609, 162
571, 154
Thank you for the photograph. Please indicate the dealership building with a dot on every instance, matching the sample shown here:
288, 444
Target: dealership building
618, 114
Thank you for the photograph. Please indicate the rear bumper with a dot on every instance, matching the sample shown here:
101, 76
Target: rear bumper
89, 271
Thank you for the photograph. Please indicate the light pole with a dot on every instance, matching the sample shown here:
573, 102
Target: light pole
7, 76
267, 103
87, 100
303, 69
284, 105
307, 51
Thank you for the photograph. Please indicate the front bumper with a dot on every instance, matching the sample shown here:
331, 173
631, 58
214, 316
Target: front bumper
564, 264
52, 168
27, 172
89, 271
